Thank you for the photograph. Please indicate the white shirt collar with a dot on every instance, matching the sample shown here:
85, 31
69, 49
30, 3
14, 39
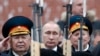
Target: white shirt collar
54, 49
15, 54
87, 47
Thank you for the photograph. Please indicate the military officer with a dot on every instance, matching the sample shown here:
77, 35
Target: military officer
75, 26
18, 30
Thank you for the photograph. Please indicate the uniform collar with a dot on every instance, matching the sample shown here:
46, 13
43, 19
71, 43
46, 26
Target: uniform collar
85, 49
15, 54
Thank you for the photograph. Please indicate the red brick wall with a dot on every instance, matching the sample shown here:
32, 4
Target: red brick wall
52, 9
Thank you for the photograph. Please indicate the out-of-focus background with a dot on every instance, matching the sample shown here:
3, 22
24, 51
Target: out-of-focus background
52, 9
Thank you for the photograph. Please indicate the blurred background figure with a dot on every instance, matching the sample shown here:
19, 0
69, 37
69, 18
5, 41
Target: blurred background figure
96, 25
91, 14
96, 50
95, 37
77, 7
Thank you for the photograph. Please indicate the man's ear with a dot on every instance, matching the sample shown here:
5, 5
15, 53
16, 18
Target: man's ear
61, 36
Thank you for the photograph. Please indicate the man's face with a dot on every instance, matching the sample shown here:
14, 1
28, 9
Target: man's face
77, 7
20, 42
76, 35
51, 35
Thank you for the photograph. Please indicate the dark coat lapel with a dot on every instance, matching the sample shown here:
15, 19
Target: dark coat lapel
59, 50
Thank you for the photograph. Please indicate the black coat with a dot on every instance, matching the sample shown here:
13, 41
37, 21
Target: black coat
80, 53
48, 52
96, 50
9, 53
73, 50
43, 52
59, 50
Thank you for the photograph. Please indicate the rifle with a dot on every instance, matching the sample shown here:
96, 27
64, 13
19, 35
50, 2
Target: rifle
67, 43
36, 30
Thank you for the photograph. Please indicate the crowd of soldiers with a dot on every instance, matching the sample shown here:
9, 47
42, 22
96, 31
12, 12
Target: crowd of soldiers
18, 38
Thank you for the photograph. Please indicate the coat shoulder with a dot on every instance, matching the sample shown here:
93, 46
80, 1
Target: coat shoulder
5, 53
